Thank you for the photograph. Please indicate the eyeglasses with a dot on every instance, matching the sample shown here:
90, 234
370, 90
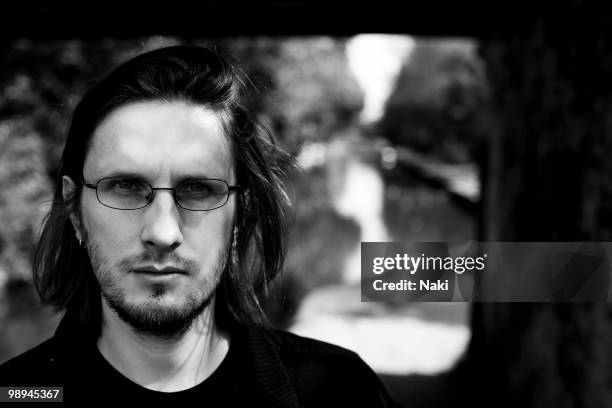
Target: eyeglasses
130, 193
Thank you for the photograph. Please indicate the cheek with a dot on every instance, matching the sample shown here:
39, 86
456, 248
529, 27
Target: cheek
110, 231
227, 223
211, 234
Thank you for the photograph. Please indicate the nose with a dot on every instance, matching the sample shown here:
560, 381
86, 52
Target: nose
162, 227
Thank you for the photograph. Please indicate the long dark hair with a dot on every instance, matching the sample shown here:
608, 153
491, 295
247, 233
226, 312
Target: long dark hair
62, 270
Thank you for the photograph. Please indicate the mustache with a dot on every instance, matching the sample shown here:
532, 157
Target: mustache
191, 266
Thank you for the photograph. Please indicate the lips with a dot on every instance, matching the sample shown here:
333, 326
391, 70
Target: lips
155, 270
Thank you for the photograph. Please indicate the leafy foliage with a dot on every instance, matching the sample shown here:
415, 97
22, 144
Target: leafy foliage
437, 99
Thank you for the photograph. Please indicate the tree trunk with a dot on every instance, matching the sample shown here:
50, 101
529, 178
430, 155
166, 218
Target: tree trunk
548, 178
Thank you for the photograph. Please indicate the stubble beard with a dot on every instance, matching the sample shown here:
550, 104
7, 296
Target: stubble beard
153, 317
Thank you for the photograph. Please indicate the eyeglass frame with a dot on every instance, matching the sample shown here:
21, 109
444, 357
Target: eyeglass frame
94, 186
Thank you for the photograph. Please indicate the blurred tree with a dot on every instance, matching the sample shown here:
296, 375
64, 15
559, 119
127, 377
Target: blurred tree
307, 87
548, 178
23, 187
436, 100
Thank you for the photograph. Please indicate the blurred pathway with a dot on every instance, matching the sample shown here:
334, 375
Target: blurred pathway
423, 338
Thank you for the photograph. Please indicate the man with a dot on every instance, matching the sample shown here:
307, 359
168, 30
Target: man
167, 219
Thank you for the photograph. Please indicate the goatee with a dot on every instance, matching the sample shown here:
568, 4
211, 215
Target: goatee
153, 317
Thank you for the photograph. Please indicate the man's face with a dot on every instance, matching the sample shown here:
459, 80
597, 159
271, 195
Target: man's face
131, 251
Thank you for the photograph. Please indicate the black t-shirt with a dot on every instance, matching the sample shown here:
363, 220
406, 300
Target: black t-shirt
226, 386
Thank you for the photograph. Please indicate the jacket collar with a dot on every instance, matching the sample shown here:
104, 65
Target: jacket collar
272, 379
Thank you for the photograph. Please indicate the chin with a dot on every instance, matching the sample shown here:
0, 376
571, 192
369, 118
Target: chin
160, 313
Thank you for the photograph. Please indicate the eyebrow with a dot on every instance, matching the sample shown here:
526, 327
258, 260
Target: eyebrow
126, 174
142, 176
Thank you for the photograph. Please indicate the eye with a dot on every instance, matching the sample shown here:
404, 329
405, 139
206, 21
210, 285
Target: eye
125, 185
196, 188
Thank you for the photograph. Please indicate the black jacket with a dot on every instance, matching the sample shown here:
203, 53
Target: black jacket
285, 370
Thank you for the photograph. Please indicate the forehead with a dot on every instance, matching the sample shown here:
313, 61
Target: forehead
159, 140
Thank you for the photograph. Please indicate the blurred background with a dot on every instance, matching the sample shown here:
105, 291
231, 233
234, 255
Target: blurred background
471, 130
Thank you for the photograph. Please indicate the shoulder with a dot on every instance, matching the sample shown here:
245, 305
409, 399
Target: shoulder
304, 353
324, 370
292, 343
29, 368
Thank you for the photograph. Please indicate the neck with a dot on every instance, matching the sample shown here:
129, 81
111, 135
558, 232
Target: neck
163, 364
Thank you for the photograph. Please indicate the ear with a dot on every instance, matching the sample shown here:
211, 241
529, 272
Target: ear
68, 191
